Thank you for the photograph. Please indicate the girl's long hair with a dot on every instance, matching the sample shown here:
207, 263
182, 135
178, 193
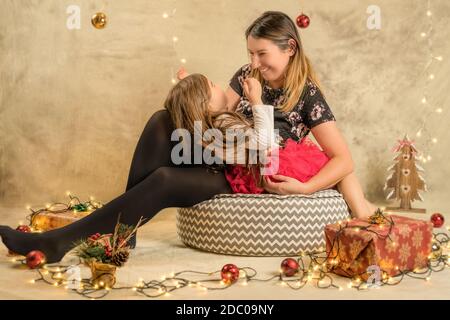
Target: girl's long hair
188, 101
279, 28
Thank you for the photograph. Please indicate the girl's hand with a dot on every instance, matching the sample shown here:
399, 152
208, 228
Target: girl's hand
285, 185
182, 73
253, 91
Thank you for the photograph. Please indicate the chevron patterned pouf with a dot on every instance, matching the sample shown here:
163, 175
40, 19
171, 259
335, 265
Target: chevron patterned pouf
261, 225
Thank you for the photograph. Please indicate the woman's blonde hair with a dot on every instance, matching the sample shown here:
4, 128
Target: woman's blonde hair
279, 28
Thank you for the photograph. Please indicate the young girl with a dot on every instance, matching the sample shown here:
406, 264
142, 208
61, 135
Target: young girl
296, 160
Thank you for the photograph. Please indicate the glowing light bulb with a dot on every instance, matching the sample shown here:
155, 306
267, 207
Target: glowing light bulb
431, 76
165, 15
429, 158
429, 13
439, 110
434, 140
419, 133
439, 58
174, 39
183, 60
423, 34
424, 100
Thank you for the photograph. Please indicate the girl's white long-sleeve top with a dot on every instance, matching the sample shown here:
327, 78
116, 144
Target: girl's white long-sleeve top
262, 135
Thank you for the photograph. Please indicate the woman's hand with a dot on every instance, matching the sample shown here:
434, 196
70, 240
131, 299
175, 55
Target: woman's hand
253, 91
182, 73
285, 185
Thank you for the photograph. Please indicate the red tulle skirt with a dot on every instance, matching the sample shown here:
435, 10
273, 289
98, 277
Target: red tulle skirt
296, 160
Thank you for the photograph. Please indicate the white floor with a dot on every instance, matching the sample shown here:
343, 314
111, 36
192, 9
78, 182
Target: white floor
159, 252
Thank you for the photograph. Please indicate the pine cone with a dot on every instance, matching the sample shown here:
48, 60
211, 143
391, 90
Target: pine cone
120, 258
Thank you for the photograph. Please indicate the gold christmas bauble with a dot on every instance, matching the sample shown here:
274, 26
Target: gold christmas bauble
99, 20
436, 250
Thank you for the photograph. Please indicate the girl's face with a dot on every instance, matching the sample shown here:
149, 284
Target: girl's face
218, 102
269, 59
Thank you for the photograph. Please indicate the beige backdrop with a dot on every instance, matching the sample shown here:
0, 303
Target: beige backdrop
73, 102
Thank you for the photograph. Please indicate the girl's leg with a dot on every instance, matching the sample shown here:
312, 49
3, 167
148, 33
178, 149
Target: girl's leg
152, 151
165, 187
153, 148
353, 194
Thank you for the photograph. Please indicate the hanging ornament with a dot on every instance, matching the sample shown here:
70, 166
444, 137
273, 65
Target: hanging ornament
99, 20
303, 21
289, 267
35, 259
229, 273
23, 228
437, 219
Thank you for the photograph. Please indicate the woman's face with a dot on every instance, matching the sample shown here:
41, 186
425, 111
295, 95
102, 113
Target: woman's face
218, 102
269, 59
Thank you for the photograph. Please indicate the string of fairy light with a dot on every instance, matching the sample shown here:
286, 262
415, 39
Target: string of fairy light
314, 267
423, 131
175, 39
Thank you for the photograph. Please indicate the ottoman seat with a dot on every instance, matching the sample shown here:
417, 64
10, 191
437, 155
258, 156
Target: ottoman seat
261, 224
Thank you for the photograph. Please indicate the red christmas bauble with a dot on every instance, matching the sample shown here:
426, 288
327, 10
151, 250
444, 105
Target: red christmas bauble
437, 219
303, 21
289, 267
35, 259
23, 228
229, 273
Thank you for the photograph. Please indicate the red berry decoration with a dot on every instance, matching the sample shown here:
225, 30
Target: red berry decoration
289, 267
229, 273
23, 228
35, 259
437, 219
303, 21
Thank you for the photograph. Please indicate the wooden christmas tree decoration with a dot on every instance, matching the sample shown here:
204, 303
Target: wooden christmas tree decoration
404, 182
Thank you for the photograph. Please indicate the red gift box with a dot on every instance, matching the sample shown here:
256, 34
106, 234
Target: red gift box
396, 245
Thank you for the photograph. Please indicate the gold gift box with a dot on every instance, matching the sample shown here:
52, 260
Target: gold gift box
48, 220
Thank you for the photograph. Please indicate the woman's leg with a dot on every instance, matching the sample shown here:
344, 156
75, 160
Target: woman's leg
165, 187
353, 194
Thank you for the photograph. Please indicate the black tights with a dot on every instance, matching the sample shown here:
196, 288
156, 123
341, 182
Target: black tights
154, 183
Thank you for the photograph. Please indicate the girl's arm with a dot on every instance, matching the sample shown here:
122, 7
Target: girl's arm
232, 99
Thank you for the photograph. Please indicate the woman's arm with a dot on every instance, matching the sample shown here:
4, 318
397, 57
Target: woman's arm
340, 164
232, 99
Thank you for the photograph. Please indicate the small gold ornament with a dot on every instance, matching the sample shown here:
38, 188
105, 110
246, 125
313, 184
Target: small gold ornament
436, 251
99, 20
103, 274
378, 217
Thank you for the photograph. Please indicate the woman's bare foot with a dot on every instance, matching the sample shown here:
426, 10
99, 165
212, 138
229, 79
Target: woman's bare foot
22, 243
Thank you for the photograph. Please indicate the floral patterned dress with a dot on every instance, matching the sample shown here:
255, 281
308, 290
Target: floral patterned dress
300, 158
310, 111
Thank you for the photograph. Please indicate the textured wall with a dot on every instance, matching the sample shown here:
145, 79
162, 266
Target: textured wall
73, 102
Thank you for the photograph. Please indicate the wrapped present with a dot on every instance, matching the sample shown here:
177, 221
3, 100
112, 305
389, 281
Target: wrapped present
394, 245
49, 220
